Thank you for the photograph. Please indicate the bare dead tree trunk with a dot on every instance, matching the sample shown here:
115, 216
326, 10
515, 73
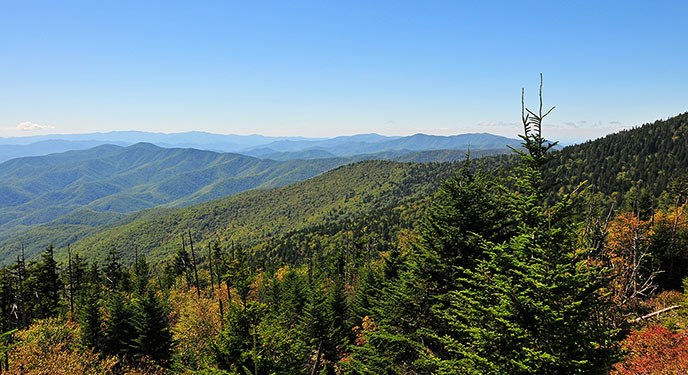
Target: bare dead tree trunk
193, 263
652, 314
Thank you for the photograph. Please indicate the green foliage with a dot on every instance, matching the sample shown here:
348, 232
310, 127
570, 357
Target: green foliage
153, 338
649, 156
90, 320
44, 283
372, 268
529, 305
78, 191
120, 332
250, 218
497, 283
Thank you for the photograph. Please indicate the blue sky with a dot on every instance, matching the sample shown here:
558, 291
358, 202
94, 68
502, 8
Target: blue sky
326, 68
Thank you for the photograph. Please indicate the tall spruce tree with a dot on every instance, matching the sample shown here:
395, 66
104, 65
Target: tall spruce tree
416, 284
153, 337
498, 282
531, 304
119, 332
90, 321
48, 284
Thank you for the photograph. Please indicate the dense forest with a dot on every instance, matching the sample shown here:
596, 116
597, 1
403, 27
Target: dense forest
544, 262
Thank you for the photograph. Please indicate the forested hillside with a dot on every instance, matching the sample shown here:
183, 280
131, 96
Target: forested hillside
60, 198
486, 266
332, 199
646, 157
79, 191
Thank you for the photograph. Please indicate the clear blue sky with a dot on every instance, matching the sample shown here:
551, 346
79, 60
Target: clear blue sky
325, 68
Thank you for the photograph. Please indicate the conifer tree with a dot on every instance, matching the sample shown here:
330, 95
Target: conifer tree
90, 319
119, 329
115, 277
141, 275
153, 337
48, 284
7, 300
531, 303
498, 282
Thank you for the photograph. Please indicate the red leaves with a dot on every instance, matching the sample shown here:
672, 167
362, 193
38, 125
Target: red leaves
654, 350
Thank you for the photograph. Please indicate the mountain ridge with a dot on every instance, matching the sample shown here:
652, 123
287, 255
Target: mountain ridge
250, 145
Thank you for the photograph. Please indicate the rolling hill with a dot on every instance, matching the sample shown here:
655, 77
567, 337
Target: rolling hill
255, 216
99, 186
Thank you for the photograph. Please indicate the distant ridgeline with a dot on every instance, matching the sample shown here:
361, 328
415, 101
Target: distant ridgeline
59, 198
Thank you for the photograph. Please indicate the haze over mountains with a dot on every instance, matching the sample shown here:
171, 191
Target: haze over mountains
75, 191
282, 148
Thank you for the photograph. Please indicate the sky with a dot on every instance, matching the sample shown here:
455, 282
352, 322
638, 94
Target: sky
327, 68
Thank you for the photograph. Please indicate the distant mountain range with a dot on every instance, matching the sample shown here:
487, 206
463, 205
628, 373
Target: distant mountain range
103, 183
64, 196
277, 148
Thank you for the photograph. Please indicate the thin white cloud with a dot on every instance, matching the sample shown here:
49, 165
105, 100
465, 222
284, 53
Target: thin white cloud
498, 124
28, 126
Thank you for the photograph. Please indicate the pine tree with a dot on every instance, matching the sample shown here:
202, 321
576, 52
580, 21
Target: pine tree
498, 282
416, 284
141, 275
119, 329
90, 320
115, 277
153, 337
48, 284
7, 300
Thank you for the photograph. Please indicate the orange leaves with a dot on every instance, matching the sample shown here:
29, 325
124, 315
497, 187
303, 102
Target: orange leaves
654, 350
368, 325
51, 347
627, 230
628, 252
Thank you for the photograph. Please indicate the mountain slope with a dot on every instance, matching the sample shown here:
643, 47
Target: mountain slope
646, 157
109, 181
254, 216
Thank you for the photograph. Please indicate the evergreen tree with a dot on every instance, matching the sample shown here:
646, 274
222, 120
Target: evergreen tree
119, 332
324, 325
141, 275
153, 337
115, 277
498, 282
532, 303
90, 320
8, 319
48, 284
79, 274
236, 348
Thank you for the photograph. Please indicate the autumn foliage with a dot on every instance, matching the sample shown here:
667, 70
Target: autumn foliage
654, 350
